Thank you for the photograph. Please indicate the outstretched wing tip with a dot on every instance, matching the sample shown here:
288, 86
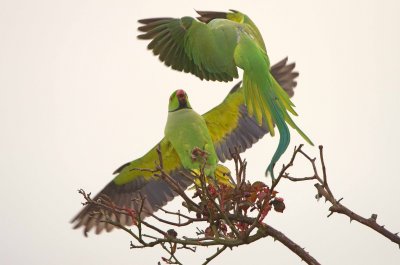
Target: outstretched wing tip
147, 21
118, 170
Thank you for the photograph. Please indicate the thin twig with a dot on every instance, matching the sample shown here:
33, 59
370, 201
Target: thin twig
219, 251
324, 191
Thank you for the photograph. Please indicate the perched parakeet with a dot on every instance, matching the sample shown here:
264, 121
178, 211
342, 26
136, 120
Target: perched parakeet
186, 130
229, 127
212, 48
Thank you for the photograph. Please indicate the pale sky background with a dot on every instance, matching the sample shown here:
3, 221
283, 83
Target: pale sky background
80, 95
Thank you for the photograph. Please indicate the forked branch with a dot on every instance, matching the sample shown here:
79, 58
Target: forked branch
324, 191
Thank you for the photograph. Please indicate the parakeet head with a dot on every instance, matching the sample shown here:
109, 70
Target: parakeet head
178, 100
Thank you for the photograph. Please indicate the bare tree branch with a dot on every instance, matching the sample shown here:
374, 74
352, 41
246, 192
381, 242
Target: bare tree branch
324, 191
234, 215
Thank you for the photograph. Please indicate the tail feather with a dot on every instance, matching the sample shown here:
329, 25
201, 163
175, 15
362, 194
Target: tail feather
282, 95
284, 140
265, 98
284, 99
282, 118
268, 107
289, 120
278, 111
255, 105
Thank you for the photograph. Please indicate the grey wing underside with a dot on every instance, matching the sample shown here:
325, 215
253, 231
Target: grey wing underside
156, 193
285, 76
241, 138
248, 131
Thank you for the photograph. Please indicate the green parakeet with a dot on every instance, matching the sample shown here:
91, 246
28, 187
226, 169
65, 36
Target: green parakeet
229, 127
185, 130
212, 48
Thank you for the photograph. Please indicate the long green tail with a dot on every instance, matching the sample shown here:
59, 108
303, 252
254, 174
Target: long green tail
262, 102
264, 97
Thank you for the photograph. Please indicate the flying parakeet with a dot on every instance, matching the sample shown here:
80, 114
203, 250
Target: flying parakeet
220, 131
212, 48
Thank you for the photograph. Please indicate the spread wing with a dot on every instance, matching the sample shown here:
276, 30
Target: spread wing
126, 189
229, 123
230, 127
191, 46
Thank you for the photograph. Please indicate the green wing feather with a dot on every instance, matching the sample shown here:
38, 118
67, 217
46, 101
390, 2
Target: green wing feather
128, 172
230, 128
174, 41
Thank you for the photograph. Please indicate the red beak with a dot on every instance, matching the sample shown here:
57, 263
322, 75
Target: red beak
181, 95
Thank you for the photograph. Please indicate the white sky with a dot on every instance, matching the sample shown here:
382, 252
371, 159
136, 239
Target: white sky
80, 95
